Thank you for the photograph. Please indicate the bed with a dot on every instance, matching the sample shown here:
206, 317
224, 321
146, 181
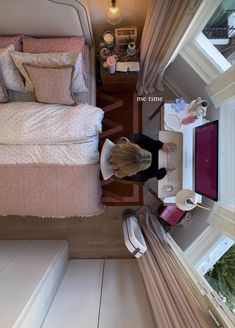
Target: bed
49, 159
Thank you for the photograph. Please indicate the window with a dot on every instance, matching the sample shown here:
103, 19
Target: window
205, 51
215, 262
221, 276
211, 300
212, 53
213, 256
220, 30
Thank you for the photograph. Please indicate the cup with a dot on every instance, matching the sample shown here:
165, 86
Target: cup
189, 201
111, 61
131, 48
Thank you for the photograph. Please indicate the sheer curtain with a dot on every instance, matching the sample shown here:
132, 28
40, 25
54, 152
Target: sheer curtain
173, 301
165, 24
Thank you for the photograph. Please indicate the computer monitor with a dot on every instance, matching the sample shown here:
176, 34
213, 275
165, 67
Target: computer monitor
206, 160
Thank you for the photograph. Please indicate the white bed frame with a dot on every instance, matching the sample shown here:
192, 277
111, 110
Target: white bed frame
50, 18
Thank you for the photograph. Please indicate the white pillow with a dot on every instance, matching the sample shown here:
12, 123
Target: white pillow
10, 74
51, 60
78, 84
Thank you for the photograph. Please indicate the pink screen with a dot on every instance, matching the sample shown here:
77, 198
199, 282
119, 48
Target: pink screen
206, 160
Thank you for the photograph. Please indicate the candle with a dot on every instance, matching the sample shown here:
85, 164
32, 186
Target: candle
108, 39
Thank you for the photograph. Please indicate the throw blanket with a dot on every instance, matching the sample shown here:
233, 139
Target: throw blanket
50, 190
74, 153
35, 123
39, 139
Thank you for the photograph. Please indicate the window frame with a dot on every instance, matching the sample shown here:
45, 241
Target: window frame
215, 306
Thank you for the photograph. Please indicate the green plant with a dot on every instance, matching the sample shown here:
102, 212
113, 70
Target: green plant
222, 278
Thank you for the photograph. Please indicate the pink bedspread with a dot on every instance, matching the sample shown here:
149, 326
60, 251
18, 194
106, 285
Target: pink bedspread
50, 190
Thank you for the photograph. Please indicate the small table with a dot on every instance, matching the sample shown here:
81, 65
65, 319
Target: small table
119, 81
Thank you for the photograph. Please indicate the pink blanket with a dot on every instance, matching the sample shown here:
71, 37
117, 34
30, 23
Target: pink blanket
50, 190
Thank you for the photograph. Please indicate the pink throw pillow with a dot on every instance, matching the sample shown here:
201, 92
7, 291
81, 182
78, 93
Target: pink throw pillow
52, 84
74, 44
42, 45
6, 41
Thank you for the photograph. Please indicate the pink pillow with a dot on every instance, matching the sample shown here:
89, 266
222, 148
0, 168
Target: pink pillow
73, 44
6, 41
52, 84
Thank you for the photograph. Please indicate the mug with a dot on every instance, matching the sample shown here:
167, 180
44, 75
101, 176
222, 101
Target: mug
131, 48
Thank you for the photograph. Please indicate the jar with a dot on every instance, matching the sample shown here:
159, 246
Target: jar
108, 39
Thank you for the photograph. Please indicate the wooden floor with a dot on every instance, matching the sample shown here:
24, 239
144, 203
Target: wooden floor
95, 237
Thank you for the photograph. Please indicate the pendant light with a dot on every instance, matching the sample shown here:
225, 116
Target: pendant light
114, 12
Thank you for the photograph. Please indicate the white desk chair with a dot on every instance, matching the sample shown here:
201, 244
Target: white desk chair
106, 168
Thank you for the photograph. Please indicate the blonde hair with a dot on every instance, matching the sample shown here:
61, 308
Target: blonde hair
128, 158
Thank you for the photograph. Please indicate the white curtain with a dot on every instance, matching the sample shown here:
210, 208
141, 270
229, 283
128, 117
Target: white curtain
165, 25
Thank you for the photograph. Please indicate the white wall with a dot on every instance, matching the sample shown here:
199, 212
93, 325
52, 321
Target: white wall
134, 12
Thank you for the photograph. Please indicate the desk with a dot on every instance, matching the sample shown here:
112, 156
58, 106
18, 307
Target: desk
167, 123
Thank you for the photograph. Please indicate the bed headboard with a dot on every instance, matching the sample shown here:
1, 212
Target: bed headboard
46, 18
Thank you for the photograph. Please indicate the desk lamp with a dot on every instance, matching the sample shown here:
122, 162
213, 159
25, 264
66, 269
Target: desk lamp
186, 200
220, 215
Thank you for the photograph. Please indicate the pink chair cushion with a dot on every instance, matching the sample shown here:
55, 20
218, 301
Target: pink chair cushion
171, 214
